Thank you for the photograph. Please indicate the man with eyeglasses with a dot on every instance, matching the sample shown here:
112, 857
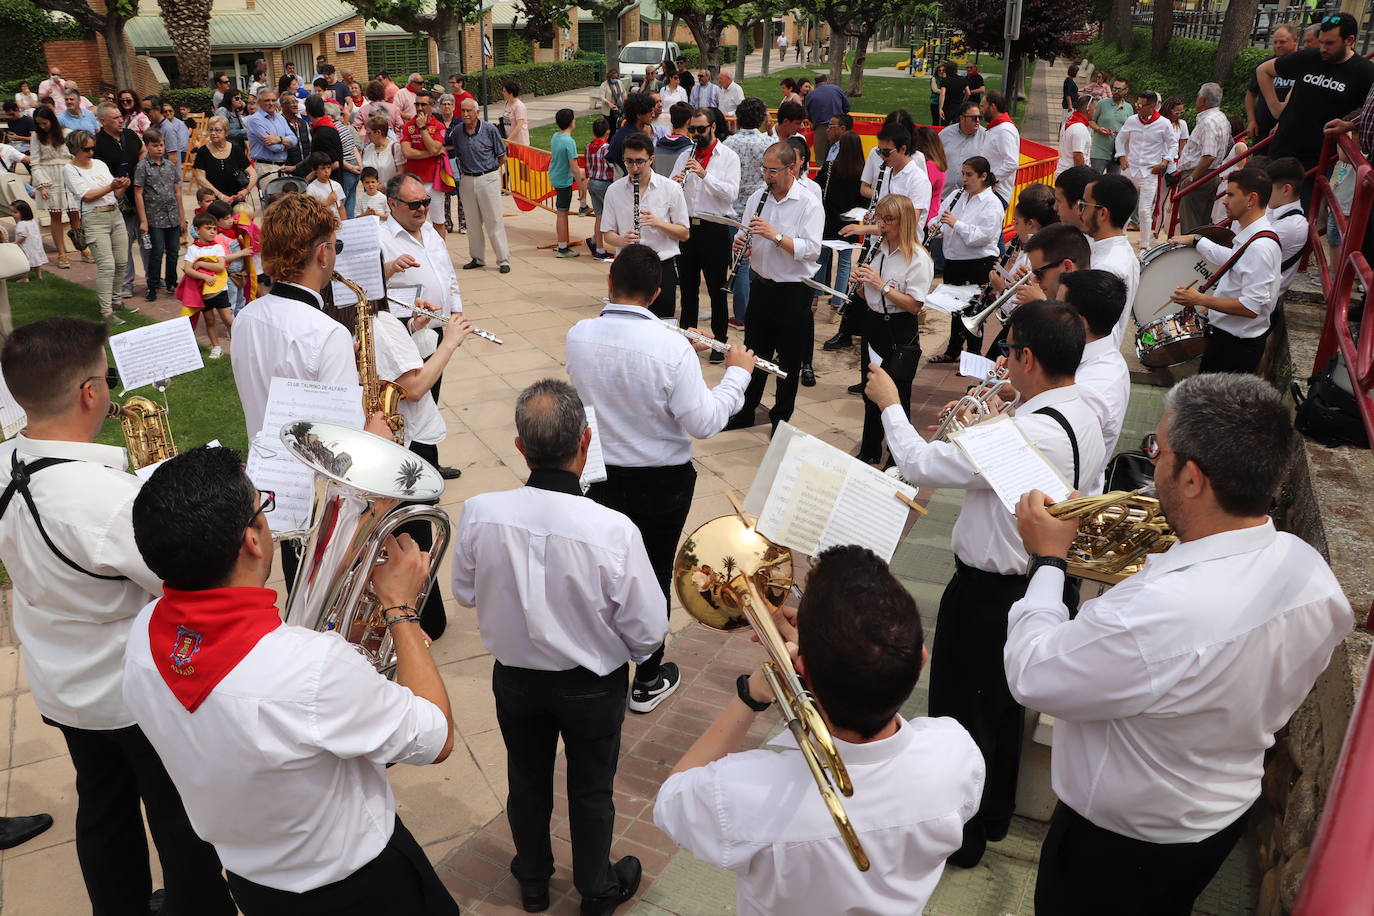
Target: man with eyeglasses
710, 176
53, 86
1106, 206
1167, 690
270, 138
278, 735
1107, 119
660, 222
66, 539
404, 100
705, 94
481, 153
962, 140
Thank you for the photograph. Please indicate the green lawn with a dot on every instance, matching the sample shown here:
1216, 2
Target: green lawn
204, 404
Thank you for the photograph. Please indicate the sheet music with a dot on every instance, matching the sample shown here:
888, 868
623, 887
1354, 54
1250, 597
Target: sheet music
156, 351
272, 467
595, 469
867, 513
146, 472
948, 299
400, 299
360, 260
839, 244
1010, 462
292, 399
768, 467
722, 220
12, 416
975, 366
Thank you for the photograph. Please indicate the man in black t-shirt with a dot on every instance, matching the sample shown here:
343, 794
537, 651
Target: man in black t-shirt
975, 84
1259, 121
120, 149
1328, 82
956, 90
20, 125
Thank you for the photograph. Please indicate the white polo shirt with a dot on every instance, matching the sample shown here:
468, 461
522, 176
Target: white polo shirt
663, 198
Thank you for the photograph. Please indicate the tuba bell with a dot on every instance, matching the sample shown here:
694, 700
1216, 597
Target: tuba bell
729, 577
147, 433
362, 486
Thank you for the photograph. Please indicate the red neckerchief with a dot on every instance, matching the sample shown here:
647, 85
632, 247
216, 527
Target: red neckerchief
323, 121
1154, 116
704, 156
1077, 118
358, 101
199, 637
1002, 118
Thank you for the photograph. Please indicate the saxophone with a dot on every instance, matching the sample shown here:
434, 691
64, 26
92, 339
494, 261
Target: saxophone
147, 433
378, 395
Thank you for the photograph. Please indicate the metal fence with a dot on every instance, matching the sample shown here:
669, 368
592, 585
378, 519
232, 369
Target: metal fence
1203, 20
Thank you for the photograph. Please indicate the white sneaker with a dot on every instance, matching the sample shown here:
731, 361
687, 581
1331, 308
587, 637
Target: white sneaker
216, 352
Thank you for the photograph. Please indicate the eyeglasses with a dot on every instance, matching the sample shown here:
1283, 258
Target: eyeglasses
770, 170
338, 245
88, 149
111, 378
887, 219
1005, 348
1085, 204
970, 117
637, 163
415, 205
267, 501
1039, 272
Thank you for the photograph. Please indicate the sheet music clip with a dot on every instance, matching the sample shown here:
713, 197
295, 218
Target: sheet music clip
910, 502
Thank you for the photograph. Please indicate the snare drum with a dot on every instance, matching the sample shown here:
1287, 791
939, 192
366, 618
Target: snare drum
1172, 340
1163, 269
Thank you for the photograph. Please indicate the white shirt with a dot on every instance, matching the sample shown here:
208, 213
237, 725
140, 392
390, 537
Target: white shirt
1115, 255
959, 147
1146, 145
72, 627
730, 97
913, 183
645, 384
558, 581
1292, 233
1211, 137
371, 205
1168, 689
1253, 279
1076, 138
798, 216
985, 534
1002, 150
912, 276
663, 198
282, 337
874, 163
978, 226
758, 814
82, 181
669, 98
323, 190
396, 355
716, 192
283, 766
1103, 381
435, 276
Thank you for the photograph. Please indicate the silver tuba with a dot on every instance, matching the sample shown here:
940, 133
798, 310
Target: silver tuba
362, 486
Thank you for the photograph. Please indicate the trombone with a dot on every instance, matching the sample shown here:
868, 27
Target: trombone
730, 577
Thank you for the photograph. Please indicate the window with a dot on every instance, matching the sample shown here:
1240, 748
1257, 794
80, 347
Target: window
398, 56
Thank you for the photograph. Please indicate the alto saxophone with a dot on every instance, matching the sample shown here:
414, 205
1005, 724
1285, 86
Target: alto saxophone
147, 432
379, 395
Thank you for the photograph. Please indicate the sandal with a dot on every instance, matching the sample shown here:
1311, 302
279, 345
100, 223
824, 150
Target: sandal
943, 358
64, 263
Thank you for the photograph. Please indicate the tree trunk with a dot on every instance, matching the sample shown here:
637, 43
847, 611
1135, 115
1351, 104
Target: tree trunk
707, 34
448, 34
1125, 34
613, 42
767, 40
188, 26
856, 73
1235, 34
741, 47
815, 41
121, 63
839, 41
1162, 30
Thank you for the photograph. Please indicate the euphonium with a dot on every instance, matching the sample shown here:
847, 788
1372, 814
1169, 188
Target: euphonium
974, 406
730, 577
362, 486
147, 434
1116, 532
379, 395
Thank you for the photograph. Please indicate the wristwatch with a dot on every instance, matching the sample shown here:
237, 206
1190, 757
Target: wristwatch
777, 239
742, 688
1037, 561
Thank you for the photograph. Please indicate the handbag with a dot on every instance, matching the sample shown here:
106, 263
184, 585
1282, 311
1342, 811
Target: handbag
78, 236
241, 178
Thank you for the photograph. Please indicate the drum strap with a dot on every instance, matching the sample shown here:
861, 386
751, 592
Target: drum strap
1216, 277
1059, 418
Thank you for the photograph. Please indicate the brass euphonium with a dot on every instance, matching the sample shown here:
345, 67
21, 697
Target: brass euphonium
730, 577
379, 395
1116, 532
147, 434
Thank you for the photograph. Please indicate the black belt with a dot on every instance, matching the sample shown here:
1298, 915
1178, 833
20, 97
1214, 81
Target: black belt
480, 174
270, 161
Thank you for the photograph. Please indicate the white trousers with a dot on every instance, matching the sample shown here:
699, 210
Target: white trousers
481, 196
1147, 187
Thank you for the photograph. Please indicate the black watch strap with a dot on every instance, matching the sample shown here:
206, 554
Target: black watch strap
742, 688
1037, 561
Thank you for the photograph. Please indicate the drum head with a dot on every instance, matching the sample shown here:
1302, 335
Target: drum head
1171, 341
1164, 269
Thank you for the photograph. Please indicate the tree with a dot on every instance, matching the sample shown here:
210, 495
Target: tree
1121, 24
866, 24
542, 19
1235, 34
188, 26
443, 19
609, 13
707, 20
1044, 23
1162, 28
110, 24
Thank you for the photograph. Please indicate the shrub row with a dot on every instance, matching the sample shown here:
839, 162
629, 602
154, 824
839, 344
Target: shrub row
534, 79
197, 99
26, 28
1187, 64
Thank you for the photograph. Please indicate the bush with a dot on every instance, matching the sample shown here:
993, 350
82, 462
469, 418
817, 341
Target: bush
28, 27
1187, 64
518, 50
198, 99
8, 88
535, 79
693, 54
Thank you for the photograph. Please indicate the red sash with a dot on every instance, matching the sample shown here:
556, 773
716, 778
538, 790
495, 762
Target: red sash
199, 637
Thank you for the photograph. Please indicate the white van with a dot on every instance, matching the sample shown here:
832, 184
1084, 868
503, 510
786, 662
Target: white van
636, 55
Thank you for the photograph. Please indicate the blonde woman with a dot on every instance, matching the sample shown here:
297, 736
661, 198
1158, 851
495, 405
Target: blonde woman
96, 191
894, 284
50, 158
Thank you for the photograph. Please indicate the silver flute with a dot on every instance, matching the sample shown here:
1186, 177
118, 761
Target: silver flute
445, 319
721, 346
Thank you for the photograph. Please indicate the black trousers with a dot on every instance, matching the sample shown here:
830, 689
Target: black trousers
438, 382
398, 881
433, 619
657, 500
115, 771
665, 306
969, 682
882, 332
533, 709
779, 315
706, 252
1082, 866
965, 273
1229, 353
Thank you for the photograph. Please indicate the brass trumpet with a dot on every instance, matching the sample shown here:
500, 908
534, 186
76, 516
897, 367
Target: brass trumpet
730, 577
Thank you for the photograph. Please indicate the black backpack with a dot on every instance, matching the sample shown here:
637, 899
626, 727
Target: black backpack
1329, 413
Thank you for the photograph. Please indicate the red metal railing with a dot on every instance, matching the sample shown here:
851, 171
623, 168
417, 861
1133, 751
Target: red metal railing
1180, 189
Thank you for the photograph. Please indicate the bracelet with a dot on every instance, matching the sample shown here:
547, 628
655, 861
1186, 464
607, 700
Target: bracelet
401, 618
397, 607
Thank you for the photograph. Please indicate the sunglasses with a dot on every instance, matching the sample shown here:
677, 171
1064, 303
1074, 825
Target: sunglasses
415, 205
1005, 348
338, 245
1331, 20
111, 378
886, 151
699, 130
88, 149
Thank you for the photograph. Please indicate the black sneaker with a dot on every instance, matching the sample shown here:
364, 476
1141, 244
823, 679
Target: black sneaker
716, 357
838, 342
646, 697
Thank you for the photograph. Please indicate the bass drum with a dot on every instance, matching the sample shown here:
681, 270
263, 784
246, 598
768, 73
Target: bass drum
1164, 268
1172, 340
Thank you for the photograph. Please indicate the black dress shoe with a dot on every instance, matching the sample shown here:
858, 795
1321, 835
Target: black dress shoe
505, 268
716, 357
808, 376
856, 389
449, 473
975, 844
629, 871
741, 420
534, 895
838, 342
16, 830
473, 264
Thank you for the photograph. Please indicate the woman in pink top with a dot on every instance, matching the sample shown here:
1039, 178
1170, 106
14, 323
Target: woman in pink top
516, 121
927, 141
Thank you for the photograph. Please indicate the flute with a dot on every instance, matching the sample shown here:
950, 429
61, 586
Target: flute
445, 319
721, 346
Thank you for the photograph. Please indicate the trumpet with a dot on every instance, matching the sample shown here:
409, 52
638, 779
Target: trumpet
975, 406
441, 318
729, 577
744, 249
976, 313
721, 346
1117, 531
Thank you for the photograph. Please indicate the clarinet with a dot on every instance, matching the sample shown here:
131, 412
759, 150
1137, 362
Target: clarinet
748, 238
635, 186
871, 240
938, 231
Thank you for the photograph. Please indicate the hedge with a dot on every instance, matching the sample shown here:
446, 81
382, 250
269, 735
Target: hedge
197, 99
693, 54
534, 79
1187, 64
8, 88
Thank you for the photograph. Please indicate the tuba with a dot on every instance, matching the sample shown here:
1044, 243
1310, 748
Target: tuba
147, 433
362, 485
730, 577
1116, 532
379, 396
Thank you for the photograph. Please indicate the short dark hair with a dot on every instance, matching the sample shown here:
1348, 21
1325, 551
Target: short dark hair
856, 617
789, 111
204, 218
314, 106
10, 105
635, 274
981, 166
1036, 208
1073, 180
640, 141
1061, 242
1115, 194
899, 135
679, 113
549, 419
636, 105
1053, 332
845, 118
996, 100
320, 82
601, 127
1098, 295
317, 159
1284, 170
511, 86
564, 118
190, 517
1148, 95
1252, 181
1343, 21
798, 144
45, 361
750, 113
219, 209
367, 172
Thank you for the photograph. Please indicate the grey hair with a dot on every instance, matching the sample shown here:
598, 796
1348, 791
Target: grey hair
1311, 30
549, 418
446, 95
787, 156
396, 182
105, 108
1211, 94
1291, 28
333, 109
1238, 432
